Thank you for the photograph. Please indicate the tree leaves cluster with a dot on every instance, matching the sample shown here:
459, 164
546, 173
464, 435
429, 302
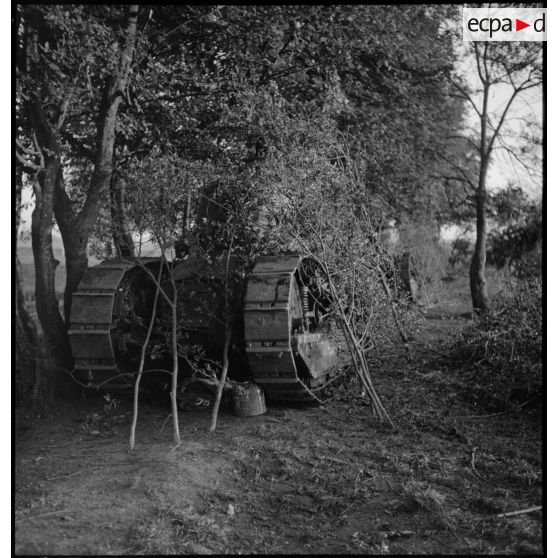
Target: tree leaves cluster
518, 238
107, 95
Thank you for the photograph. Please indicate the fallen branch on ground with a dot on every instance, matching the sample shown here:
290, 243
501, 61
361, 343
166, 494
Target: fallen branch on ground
519, 512
510, 514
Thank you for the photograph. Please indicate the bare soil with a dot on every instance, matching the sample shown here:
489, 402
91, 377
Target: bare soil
294, 480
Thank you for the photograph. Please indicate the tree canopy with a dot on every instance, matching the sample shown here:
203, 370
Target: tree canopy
109, 97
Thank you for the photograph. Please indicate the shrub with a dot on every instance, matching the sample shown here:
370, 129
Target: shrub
519, 243
461, 252
429, 256
502, 352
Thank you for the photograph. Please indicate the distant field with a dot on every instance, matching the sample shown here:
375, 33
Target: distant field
25, 254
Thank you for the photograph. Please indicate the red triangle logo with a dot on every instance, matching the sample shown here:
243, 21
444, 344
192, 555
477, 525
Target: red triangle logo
519, 25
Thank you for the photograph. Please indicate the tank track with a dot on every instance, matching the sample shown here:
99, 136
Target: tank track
286, 361
286, 358
93, 332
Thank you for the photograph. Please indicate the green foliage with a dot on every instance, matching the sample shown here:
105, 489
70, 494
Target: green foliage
359, 65
75, 54
305, 195
313, 200
500, 355
461, 252
518, 242
385, 86
429, 256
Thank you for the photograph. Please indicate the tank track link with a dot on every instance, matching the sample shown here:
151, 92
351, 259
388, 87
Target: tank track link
287, 362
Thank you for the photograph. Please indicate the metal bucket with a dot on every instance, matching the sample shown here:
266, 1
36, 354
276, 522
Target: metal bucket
249, 399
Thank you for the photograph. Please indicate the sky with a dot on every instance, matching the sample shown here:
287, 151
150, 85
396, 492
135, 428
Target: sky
504, 168
526, 108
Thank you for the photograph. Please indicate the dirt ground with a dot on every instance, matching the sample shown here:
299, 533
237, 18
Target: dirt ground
294, 480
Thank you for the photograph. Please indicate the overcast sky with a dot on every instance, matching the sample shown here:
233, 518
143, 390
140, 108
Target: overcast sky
528, 108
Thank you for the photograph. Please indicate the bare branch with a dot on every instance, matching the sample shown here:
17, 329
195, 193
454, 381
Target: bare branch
458, 168
514, 156
466, 139
527, 84
466, 96
478, 61
449, 177
485, 61
153, 278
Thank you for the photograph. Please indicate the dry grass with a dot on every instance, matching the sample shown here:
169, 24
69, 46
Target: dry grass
175, 531
333, 480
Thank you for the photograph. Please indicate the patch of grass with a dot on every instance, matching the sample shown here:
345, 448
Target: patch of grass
177, 531
422, 495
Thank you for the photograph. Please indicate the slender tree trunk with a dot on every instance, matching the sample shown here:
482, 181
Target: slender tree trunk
122, 238
174, 407
222, 379
30, 355
142, 358
477, 278
30, 350
228, 334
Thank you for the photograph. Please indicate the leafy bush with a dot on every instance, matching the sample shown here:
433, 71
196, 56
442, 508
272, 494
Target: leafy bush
304, 193
519, 238
429, 256
461, 252
501, 353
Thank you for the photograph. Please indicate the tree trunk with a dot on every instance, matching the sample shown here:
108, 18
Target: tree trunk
75, 234
30, 361
45, 267
75, 250
477, 279
51, 197
77, 229
49, 171
30, 350
122, 238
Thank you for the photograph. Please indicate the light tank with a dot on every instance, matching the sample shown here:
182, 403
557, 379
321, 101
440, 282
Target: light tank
280, 335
